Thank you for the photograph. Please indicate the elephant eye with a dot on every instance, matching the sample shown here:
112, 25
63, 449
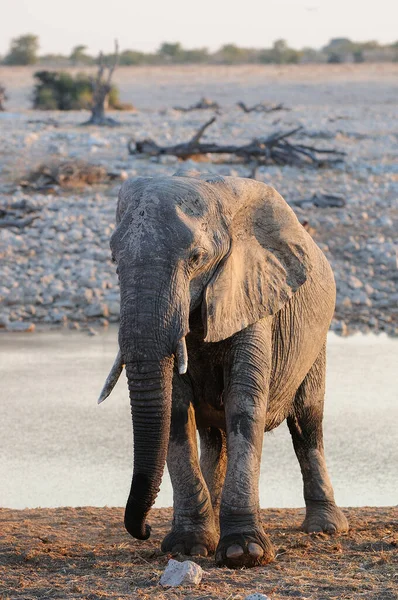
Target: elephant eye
197, 256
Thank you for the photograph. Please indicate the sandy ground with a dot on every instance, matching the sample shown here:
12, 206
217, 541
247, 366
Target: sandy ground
161, 87
85, 553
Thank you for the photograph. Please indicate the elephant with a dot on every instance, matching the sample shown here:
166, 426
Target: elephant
225, 304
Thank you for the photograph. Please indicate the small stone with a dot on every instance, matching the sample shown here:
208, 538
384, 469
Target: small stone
21, 326
4, 320
354, 282
339, 327
347, 302
257, 596
385, 221
30, 139
181, 573
168, 160
91, 332
97, 310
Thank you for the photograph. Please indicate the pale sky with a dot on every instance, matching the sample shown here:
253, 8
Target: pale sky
144, 25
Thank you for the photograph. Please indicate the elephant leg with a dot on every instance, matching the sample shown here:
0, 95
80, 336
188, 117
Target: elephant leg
305, 424
213, 464
193, 531
243, 542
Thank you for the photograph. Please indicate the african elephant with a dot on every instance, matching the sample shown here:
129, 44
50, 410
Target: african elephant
221, 271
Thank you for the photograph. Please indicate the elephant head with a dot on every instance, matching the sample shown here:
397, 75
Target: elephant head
229, 245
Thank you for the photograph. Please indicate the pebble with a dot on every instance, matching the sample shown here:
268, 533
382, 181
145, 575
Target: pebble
257, 596
181, 574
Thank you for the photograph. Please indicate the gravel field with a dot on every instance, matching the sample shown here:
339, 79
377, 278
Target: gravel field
57, 271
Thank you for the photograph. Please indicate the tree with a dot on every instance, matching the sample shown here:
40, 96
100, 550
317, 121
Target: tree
132, 57
172, 52
78, 56
23, 50
231, 54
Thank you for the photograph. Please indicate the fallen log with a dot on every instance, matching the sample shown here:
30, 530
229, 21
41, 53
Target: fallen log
274, 149
14, 214
262, 107
322, 200
203, 104
7, 223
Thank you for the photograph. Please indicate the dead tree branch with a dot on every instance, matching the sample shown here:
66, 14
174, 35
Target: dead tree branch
18, 223
14, 215
3, 97
274, 149
67, 174
203, 104
262, 107
322, 200
101, 87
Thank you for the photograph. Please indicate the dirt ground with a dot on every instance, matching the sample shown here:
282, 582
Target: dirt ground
85, 553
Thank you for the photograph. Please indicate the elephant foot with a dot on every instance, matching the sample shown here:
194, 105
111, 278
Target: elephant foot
191, 543
250, 549
324, 517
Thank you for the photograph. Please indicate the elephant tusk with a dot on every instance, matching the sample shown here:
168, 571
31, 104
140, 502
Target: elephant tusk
112, 378
182, 356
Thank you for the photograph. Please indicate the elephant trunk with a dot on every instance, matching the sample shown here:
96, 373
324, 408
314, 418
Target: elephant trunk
150, 397
153, 323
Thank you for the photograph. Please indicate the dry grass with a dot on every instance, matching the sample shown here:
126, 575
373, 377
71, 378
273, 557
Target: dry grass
85, 553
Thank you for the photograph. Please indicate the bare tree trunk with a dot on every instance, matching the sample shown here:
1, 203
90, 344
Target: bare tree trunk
101, 89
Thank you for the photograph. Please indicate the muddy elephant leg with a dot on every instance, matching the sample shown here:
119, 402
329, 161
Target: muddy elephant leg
242, 538
213, 464
305, 426
193, 531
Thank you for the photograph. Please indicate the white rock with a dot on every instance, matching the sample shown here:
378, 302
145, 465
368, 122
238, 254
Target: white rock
257, 596
181, 573
94, 140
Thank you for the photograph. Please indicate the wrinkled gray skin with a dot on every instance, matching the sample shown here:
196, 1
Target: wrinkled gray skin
225, 263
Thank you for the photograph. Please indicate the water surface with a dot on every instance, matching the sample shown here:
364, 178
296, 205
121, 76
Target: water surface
58, 448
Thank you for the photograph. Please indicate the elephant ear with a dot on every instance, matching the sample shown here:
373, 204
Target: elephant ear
269, 259
130, 194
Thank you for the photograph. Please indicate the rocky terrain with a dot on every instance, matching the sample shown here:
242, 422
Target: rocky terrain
57, 271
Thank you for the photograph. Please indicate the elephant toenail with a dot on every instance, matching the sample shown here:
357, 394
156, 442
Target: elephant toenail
255, 550
199, 550
234, 551
331, 529
316, 529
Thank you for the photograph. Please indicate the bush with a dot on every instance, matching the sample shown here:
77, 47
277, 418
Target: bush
334, 58
57, 90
